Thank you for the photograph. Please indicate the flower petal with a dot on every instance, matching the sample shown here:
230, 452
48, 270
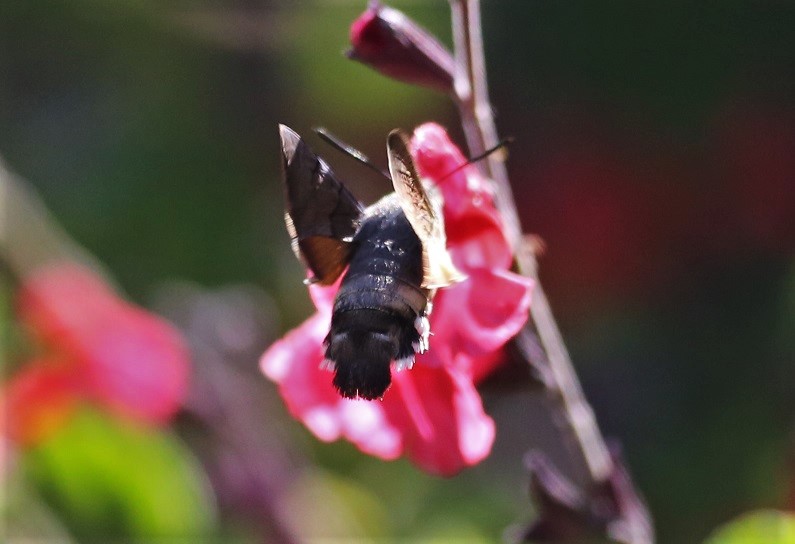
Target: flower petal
294, 363
323, 296
138, 366
482, 313
131, 360
436, 156
440, 160
441, 417
37, 401
478, 240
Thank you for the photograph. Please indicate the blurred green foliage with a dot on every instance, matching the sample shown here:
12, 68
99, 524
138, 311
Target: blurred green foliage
112, 481
766, 527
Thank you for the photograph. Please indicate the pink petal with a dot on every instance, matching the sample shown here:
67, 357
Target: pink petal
502, 309
481, 366
482, 313
365, 424
61, 304
436, 156
478, 241
37, 401
323, 296
131, 360
441, 418
138, 366
440, 160
294, 363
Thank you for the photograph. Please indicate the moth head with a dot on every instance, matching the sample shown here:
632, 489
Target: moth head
361, 362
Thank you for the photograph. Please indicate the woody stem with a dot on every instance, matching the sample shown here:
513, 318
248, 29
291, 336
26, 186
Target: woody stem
563, 387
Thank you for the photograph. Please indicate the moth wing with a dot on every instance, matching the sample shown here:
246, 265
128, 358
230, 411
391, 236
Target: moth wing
423, 210
322, 215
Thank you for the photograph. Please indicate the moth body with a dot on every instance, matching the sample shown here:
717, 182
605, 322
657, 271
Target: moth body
395, 255
378, 306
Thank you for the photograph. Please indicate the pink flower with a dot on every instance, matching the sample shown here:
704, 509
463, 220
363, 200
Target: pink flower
431, 413
98, 347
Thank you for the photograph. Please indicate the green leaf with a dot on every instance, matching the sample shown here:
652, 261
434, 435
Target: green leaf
324, 507
762, 527
110, 480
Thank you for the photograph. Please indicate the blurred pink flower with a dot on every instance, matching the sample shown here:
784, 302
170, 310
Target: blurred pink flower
431, 413
37, 401
100, 347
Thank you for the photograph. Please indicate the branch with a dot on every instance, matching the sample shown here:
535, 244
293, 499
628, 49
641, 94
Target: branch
471, 95
29, 236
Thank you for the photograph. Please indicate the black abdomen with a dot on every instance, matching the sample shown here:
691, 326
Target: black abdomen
373, 321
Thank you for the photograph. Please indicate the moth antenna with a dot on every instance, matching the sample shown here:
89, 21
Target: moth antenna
351, 151
504, 143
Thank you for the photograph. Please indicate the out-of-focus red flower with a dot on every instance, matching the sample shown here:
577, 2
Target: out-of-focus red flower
612, 222
38, 400
432, 413
388, 41
755, 164
99, 347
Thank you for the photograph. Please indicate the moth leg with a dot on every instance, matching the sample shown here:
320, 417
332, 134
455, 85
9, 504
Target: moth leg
423, 327
405, 363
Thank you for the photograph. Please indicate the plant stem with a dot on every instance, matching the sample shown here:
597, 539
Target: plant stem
29, 236
471, 95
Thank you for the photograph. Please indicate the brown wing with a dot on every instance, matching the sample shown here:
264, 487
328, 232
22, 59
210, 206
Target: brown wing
322, 215
423, 210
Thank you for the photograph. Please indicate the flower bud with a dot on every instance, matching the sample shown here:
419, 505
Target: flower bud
388, 41
610, 509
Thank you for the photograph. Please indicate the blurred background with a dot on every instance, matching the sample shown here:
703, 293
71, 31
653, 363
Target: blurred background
654, 153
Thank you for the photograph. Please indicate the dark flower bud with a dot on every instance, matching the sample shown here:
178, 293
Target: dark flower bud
388, 41
566, 513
